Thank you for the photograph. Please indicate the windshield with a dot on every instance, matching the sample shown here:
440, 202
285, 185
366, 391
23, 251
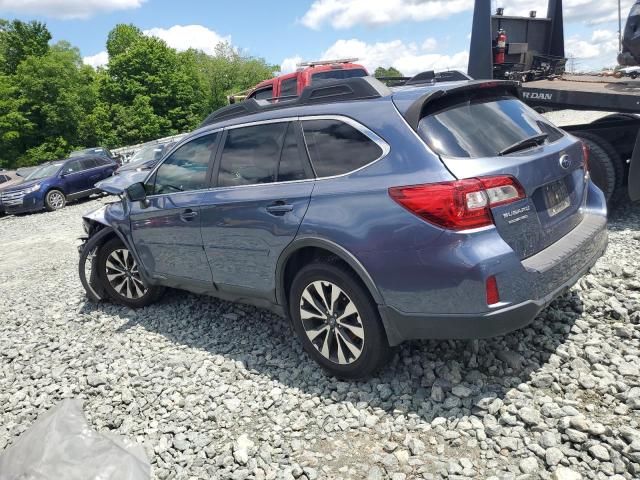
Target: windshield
481, 126
146, 154
44, 171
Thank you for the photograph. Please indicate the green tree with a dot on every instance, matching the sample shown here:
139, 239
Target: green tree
382, 72
121, 38
19, 40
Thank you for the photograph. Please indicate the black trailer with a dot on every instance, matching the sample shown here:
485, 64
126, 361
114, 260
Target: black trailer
614, 140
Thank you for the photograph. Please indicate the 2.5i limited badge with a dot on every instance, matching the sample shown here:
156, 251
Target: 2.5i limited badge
517, 215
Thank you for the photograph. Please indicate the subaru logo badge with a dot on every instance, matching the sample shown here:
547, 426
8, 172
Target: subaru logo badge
565, 161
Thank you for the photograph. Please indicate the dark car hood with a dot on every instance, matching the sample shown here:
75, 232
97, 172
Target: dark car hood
11, 183
23, 184
118, 183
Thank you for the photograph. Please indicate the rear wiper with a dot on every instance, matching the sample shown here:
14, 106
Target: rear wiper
526, 143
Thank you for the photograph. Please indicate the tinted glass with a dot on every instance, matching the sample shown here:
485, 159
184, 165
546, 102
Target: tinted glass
291, 166
338, 74
289, 88
186, 168
73, 166
88, 163
336, 147
102, 161
44, 171
481, 126
251, 155
263, 94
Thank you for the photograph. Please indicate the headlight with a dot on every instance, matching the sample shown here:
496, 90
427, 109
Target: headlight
32, 188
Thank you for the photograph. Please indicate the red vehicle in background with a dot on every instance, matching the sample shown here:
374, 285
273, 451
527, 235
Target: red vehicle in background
308, 73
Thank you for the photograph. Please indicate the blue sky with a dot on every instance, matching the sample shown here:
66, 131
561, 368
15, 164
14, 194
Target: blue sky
413, 35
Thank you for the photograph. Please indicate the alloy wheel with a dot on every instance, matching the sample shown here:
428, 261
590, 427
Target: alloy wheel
56, 200
332, 322
123, 274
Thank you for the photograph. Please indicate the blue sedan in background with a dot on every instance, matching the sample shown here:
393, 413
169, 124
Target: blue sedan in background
52, 184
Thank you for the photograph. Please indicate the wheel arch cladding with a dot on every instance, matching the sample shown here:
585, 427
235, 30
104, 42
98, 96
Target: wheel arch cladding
306, 250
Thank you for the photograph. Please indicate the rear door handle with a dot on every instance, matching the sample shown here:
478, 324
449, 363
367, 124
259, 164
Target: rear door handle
279, 208
188, 215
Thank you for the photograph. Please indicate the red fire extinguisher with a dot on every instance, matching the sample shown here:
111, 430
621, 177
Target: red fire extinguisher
501, 47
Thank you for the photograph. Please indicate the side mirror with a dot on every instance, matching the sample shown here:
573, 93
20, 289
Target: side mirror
136, 192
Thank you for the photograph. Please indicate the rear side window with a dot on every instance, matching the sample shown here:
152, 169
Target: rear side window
186, 168
338, 74
474, 125
88, 163
263, 94
336, 147
289, 87
291, 167
103, 161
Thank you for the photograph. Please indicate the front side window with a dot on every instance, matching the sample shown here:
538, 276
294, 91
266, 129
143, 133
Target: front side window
186, 169
263, 94
336, 147
73, 166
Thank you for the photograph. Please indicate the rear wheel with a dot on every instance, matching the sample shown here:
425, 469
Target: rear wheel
601, 165
120, 276
54, 200
337, 321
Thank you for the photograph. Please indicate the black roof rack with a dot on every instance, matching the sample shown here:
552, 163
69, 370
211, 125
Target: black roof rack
325, 91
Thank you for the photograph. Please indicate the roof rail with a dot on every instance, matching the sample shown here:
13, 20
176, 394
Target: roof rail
315, 63
325, 91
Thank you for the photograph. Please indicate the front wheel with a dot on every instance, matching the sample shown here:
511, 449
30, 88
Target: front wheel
337, 321
120, 276
54, 200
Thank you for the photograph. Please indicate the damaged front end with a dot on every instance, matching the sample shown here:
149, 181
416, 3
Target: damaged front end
98, 227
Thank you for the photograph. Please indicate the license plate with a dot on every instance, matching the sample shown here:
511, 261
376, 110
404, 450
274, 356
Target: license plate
556, 197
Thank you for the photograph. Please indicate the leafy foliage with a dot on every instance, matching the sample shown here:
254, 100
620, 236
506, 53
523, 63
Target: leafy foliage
382, 72
50, 103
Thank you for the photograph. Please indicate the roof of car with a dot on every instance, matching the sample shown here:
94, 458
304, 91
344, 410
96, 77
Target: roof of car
320, 98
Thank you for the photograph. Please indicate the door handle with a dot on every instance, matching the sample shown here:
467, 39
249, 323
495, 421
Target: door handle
188, 215
279, 208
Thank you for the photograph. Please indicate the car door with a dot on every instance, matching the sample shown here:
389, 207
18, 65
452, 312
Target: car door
262, 186
74, 177
166, 226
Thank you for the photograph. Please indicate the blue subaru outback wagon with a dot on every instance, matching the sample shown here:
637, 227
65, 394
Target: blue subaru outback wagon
368, 216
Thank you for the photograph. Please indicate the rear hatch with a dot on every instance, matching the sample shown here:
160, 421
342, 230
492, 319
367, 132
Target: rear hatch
487, 132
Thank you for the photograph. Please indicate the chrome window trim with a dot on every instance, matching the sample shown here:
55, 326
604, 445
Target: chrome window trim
384, 146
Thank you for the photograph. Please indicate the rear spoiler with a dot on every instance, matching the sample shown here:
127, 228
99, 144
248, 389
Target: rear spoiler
413, 114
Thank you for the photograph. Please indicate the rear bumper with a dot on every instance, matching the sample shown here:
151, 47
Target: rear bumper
546, 275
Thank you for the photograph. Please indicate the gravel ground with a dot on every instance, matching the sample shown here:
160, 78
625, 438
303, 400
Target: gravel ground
217, 390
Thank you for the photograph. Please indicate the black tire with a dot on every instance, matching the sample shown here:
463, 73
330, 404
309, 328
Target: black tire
601, 167
54, 200
616, 159
633, 75
105, 252
374, 347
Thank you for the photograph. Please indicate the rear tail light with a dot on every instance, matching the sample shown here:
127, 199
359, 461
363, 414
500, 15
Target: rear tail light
493, 295
460, 204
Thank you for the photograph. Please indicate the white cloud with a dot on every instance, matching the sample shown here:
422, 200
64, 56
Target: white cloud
290, 64
67, 9
183, 37
600, 50
408, 58
347, 13
430, 44
97, 60
342, 14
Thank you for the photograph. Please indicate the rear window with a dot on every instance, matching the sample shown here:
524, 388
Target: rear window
338, 74
479, 126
